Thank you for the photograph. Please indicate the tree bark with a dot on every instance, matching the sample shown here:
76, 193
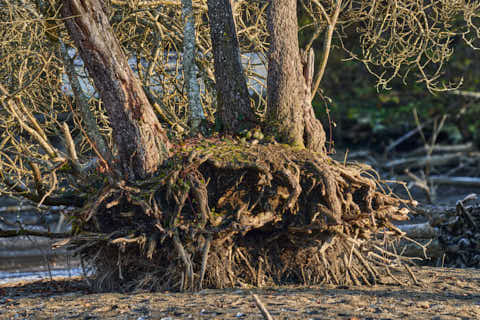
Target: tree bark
233, 101
290, 114
140, 139
196, 114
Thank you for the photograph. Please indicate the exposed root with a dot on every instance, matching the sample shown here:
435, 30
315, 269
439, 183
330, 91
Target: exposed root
236, 215
206, 249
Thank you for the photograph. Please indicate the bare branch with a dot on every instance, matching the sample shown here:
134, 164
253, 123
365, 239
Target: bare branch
327, 43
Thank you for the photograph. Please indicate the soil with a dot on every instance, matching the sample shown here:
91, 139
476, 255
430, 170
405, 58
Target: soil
441, 294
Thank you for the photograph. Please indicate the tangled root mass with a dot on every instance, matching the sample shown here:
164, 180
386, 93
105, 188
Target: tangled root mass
224, 214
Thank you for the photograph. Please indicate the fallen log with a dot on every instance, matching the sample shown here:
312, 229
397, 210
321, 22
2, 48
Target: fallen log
451, 234
467, 147
419, 231
456, 181
420, 162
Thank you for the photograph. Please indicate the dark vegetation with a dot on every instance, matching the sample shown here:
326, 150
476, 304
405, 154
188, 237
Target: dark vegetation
373, 118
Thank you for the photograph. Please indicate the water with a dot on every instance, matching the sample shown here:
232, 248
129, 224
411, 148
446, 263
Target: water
32, 258
16, 276
23, 267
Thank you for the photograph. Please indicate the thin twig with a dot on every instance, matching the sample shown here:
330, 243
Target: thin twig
327, 44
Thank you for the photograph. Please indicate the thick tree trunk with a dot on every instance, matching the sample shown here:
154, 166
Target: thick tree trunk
233, 101
290, 113
140, 139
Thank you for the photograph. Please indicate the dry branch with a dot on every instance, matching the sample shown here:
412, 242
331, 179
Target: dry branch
459, 148
261, 306
35, 233
420, 162
327, 42
420, 230
475, 95
451, 234
456, 181
406, 136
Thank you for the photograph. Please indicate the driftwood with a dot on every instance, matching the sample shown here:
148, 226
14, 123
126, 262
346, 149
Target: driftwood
456, 181
35, 233
420, 230
434, 165
420, 162
450, 159
16, 208
474, 95
451, 234
467, 147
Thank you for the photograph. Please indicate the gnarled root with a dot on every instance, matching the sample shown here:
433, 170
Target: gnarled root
232, 215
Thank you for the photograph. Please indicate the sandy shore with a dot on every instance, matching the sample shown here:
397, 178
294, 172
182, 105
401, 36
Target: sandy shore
443, 294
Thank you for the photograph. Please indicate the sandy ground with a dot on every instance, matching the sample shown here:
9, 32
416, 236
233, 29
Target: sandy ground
442, 294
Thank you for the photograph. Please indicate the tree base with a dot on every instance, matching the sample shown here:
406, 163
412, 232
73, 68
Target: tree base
225, 214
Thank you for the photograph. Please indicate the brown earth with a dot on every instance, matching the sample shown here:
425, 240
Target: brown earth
441, 294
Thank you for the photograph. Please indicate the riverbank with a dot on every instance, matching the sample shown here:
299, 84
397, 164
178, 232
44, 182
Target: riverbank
442, 294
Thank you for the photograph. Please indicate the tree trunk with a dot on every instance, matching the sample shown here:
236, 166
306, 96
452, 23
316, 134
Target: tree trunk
140, 139
233, 101
290, 114
196, 114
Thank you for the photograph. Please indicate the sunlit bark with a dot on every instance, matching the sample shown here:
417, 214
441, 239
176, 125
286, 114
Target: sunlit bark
139, 138
290, 113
